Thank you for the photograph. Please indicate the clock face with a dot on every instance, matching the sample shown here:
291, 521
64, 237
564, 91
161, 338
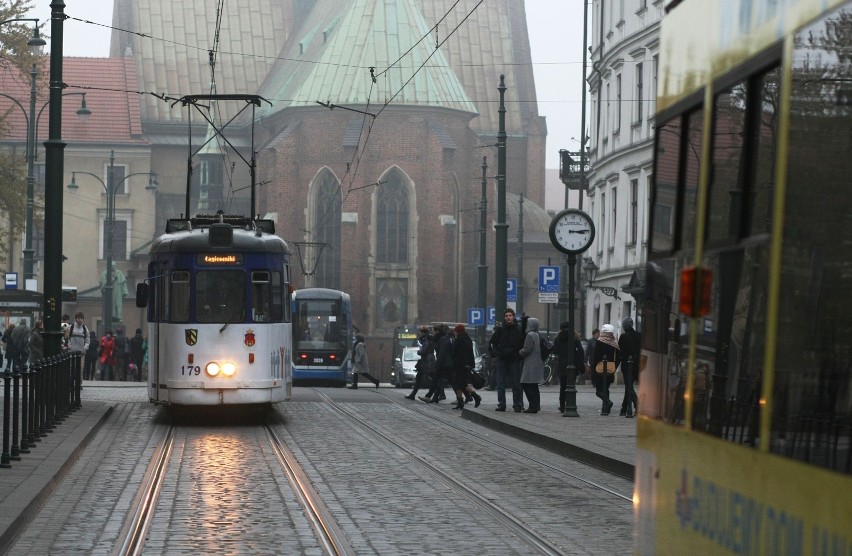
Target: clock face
572, 231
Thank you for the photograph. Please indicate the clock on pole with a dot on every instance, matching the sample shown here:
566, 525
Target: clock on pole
572, 231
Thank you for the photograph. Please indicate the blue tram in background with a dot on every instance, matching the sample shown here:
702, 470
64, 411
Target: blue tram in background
322, 336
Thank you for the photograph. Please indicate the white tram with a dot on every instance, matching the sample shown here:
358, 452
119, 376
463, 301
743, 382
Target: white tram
219, 325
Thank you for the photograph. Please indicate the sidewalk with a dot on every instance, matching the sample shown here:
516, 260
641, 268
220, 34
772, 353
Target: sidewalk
606, 442
26, 485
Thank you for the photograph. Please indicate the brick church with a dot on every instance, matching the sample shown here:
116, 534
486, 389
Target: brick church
371, 147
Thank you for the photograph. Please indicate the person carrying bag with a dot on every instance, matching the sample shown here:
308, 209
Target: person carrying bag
605, 361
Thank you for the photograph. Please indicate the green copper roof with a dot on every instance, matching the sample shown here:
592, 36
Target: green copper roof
328, 59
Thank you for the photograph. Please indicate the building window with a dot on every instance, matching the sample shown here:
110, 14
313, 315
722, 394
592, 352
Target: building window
204, 172
120, 237
614, 204
634, 211
392, 214
603, 221
38, 239
639, 91
653, 97
119, 171
326, 229
39, 178
617, 124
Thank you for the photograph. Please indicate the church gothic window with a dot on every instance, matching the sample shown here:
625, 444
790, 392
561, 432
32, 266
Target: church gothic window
326, 230
392, 212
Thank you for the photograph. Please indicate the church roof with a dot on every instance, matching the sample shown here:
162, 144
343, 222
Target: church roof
172, 56
364, 52
479, 42
483, 41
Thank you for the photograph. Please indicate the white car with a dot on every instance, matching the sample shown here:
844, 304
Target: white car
403, 367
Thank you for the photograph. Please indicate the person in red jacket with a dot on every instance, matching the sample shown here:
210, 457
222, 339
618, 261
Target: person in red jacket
107, 356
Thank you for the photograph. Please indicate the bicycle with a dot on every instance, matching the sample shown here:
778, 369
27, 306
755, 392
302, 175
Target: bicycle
549, 369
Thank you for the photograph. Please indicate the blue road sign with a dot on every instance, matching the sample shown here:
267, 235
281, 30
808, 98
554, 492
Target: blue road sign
511, 289
476, 316
492, 313
548, 279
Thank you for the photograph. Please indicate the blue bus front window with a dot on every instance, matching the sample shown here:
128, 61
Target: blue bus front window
220, 296
320, 326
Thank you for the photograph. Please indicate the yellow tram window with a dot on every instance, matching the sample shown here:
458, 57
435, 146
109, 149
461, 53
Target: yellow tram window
812, 395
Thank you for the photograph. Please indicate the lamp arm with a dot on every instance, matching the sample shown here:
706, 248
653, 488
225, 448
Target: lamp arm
97, 177
21, 106
119, 182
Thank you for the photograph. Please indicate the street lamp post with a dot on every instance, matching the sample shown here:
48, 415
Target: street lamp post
36, 44
28, 235
591, 270
111, 188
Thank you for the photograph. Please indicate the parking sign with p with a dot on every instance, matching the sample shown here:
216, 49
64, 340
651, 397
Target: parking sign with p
548, 279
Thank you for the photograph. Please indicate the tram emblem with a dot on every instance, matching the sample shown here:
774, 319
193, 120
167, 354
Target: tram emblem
249, 338
191, 336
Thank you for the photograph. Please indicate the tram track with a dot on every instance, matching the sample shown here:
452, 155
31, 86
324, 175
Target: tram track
509, 448
136, 526
506, 447
522, 531
330, 537
328, 532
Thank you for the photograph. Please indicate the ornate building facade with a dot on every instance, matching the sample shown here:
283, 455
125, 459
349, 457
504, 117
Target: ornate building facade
623, 86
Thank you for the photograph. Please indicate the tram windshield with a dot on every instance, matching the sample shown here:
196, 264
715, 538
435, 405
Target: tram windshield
319, 325
220, 295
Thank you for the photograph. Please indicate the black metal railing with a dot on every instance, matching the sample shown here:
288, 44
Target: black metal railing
37, 398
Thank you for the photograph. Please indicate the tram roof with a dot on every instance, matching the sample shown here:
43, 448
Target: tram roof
198, 240
321, 293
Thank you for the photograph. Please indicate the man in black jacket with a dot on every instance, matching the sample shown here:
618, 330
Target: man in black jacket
505, 343
630, 344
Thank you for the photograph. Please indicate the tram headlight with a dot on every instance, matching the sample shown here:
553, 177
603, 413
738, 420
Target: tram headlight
226, 369
212, 368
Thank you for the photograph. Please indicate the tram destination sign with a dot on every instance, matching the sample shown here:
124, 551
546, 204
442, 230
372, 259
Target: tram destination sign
220, 259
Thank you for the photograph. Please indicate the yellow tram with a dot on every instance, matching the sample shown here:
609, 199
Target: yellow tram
745, 397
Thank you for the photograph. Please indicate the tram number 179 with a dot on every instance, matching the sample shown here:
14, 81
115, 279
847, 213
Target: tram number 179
190, 370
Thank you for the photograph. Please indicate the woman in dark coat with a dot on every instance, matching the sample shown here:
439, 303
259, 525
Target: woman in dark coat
463, 363
425, 364
605, 348
443, 364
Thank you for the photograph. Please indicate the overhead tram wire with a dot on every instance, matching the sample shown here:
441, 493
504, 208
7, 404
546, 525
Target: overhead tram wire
228, 165
284, 58
437, 46
373, 78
